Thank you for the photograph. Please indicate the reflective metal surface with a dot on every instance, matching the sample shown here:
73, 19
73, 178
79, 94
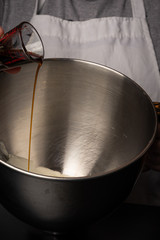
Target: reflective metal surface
89, 122
88, 119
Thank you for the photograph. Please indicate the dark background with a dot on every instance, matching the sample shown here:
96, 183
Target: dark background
128, 222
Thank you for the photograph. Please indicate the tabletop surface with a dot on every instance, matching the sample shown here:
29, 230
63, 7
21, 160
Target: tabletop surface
128, 222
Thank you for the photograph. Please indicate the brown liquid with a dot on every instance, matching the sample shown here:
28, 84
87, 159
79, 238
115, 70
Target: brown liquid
32, 109
11, 58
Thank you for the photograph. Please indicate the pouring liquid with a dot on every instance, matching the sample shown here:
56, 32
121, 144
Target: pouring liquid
11, 58
32, 110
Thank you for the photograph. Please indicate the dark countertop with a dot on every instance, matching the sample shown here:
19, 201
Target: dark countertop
128, 222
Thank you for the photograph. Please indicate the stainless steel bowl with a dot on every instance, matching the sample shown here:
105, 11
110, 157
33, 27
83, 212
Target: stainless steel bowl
91, 123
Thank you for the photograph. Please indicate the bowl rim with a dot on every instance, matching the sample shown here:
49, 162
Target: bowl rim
128, 163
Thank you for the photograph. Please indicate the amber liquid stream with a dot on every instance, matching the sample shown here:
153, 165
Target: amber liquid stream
32, 110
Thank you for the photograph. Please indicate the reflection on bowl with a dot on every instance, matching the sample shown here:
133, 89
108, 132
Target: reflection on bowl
86, 126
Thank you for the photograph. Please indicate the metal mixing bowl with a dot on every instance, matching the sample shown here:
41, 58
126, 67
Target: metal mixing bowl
91, 123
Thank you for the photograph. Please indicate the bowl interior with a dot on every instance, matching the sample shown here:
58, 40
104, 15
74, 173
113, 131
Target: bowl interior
88, 119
